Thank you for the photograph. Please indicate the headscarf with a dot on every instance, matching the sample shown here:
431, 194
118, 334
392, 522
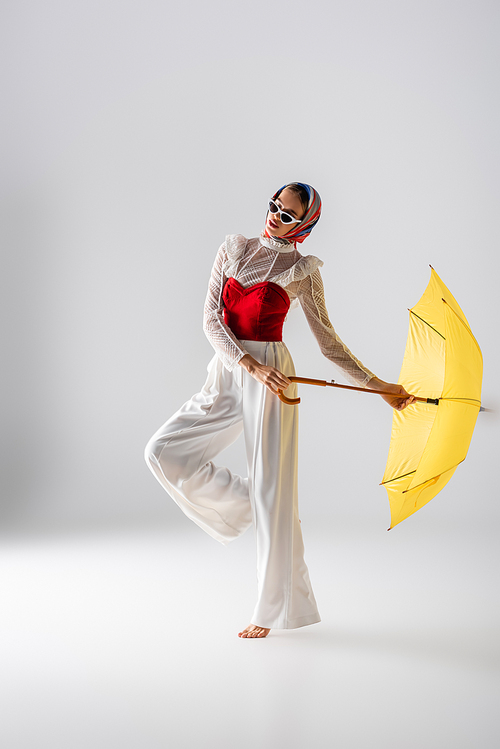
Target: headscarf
302, 230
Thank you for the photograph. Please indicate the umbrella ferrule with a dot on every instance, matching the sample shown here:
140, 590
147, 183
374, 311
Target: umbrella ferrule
433, 400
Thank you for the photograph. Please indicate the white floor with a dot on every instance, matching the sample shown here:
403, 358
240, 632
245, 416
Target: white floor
129, 640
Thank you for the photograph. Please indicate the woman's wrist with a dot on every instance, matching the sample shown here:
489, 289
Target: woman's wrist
376, 384
248, 363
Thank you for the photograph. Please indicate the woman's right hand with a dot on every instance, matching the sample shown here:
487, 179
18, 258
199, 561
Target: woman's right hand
272, 378
395, 395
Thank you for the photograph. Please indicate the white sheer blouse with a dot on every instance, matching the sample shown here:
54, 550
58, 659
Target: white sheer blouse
252, 261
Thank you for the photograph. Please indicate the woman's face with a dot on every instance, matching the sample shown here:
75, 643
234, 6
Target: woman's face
290, 202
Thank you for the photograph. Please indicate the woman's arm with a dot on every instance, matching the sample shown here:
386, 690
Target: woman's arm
225, 343
312, 299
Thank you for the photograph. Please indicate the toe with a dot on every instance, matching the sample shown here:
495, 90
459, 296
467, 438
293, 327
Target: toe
253, 631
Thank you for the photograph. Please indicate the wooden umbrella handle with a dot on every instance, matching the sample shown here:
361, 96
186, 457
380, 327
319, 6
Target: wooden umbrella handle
304, 380
290, 401
332, 384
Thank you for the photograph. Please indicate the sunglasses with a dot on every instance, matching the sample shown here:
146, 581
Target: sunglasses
285, 218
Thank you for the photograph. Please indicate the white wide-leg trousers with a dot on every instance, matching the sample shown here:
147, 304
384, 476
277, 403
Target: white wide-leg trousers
180, 455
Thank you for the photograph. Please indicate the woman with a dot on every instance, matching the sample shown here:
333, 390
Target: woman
253, 284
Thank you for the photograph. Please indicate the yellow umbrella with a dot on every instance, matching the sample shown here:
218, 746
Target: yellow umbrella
442, 361
443, 369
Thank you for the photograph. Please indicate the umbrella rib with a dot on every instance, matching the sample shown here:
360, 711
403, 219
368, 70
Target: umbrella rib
383, 483
465, 324
463, 400
426, 323
432, 477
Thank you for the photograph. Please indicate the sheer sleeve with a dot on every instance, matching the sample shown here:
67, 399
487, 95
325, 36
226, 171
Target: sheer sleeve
226, 345
312, 300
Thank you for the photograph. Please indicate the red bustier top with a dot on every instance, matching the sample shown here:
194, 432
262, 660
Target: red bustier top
256, 313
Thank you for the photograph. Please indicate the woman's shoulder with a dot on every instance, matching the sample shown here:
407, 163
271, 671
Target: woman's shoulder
304, 266
309, 263
235, 244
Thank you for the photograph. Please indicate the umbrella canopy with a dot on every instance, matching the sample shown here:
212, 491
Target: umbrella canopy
442, 361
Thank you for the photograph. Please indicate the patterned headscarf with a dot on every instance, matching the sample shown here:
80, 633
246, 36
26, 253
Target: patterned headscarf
302, 230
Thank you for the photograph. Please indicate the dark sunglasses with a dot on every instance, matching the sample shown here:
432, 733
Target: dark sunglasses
285, 218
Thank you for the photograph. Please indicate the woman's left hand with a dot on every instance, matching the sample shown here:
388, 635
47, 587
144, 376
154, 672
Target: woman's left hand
398, 398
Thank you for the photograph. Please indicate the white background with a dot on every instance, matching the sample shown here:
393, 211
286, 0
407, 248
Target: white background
135, 137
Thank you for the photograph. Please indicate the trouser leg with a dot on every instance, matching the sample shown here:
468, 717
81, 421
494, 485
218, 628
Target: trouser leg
285, 596
180, 454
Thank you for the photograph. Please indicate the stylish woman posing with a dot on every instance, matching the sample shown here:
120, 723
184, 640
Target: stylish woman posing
252, 286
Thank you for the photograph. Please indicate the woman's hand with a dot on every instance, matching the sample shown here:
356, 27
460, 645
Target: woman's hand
398, 398
272, 378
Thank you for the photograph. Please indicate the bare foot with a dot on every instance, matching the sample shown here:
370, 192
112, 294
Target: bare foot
254, 631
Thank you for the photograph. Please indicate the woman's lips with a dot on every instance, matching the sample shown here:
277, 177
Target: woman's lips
273, 223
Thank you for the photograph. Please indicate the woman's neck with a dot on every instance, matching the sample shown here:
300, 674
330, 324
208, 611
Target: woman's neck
276, 243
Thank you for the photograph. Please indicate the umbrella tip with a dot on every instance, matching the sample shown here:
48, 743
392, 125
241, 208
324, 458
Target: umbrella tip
430, 266
389, 529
